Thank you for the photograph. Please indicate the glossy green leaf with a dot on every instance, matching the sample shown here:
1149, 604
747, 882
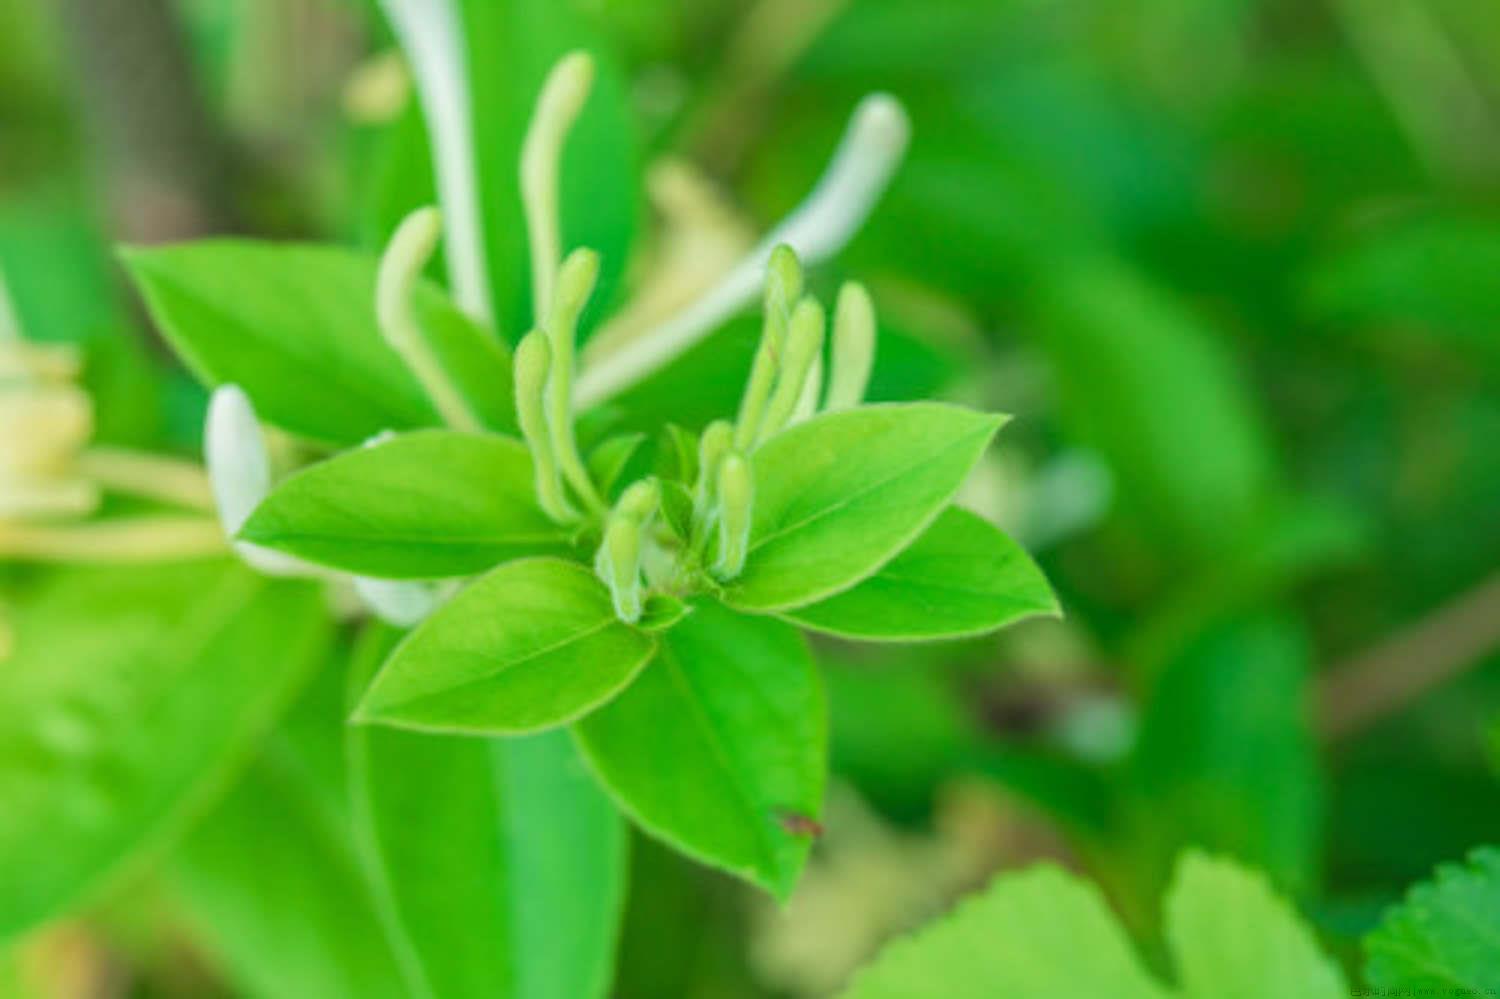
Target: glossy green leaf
519, 848
1443, 937
1034, 934
294, 326
961, 577
533, 644
838, 496
720, 744
129, 700
422, 505
273, 881
1233, 938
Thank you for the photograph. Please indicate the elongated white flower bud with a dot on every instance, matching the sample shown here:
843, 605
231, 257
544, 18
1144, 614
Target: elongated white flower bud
557, 108
804, 343
862, 166
736, 503
531, 366
411, 246
853, 354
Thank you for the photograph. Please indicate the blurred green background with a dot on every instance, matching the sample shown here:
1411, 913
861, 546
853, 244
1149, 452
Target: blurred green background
1234, 265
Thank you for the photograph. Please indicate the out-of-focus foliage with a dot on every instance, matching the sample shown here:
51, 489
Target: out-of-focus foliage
1233, 265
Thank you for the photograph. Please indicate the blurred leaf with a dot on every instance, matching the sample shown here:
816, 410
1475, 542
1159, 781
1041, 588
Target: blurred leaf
273, 877
417, 506
532, 645
294, 326
961, 577
1034, 934
1233, 938
720, 745
130, 699
1226, 759
1148, 385
1044, 932
1444, 935
823, 522
1431, 278
510, 880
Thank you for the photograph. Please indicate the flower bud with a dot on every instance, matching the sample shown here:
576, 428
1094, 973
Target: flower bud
557, 107
804, 343
619, 562
532, 364
853, 347
736, 502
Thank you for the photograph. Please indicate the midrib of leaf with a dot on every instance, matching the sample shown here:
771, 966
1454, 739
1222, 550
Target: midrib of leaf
292, 349
866, 490
507, 665
714, 738
376, 533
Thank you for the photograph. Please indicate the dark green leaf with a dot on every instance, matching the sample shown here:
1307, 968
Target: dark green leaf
1445, 936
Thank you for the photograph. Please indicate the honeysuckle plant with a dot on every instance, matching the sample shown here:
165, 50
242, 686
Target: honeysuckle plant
648, 591
569, 602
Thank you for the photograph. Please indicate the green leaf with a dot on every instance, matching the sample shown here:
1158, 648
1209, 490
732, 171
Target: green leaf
720, 744
677, 509
1035, 934
273, 879
1226, 759
608, 462
294, 326
838, 496
961, 577
422, 505
510, 882
1445, 935
533, 644
129, 700
1233, 938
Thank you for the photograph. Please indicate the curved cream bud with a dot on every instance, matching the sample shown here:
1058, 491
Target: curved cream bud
409, 249
853, 351
430, 34
861, 167
239, 475
557, 107
736, 504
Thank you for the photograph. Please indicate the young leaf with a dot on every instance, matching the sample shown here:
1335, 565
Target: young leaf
294, 326
1233, 938
129, 699
275, 869
720, 745
961, 577
838, 496
534, 644
1444, 935
421, 505
1033, 934
519, 848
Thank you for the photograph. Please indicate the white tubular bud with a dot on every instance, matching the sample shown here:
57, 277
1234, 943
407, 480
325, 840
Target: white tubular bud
432, 41
239, 475
717, 439
736, 503
397, 602
411, 246
867, 156
804, 343
812, 393
557, 108
532, 364
854, 333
